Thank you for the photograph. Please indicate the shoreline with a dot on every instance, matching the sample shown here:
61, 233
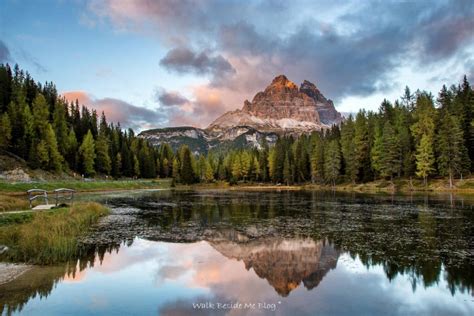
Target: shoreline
11, 271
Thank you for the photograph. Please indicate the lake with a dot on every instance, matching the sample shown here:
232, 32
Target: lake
262, 253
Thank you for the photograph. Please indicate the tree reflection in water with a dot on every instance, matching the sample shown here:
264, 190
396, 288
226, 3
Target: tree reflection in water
290, 239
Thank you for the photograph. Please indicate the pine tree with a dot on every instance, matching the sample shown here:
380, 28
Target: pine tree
425, 158
176, 170
317, 158
389, 164
209, 173
71, 149
103, 162
257, 169
28, 125
5, 131
41, 155
348, 149
118, 165
40, 115
450, 147
136, 166
56, 160
60, 125
187, 172
202, 168
245, 160
236, 167
362, 146
332, 161
376, 154
87, 154
272, 164
165, 170
287, 176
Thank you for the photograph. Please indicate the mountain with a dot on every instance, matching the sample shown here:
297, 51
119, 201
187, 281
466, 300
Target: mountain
282, 108
284, 263
201, 140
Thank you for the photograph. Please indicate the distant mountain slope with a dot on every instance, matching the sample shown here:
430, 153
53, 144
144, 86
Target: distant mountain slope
201, 141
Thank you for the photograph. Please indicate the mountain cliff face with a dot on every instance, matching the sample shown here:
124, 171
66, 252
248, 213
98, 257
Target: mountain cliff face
284, 263
282, 108
201, 141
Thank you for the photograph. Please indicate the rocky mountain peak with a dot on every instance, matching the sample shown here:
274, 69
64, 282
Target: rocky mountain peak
281, 82
282, 107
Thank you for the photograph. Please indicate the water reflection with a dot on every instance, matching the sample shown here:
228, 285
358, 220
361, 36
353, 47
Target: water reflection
284, 263
313, 253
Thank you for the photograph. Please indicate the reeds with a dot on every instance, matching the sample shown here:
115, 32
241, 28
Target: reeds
51, 236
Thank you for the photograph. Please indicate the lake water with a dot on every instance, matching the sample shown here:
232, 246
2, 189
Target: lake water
259, 253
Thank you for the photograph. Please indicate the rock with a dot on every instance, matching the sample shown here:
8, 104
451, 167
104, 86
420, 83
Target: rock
3, 249
15, 175
282, 107
10, 271
326, 110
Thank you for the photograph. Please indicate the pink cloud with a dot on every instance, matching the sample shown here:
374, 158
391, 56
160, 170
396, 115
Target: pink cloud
129, 115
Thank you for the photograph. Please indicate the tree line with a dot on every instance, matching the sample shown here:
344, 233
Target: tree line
49, 133
416, 136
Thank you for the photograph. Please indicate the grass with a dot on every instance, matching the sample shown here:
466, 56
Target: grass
8, 203
47, 237
84, 186
398, 185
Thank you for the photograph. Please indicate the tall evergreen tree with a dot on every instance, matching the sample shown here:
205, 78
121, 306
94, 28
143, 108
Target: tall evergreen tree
5, 131
87, 154
425, 158
450, 147
349, 149
187, 172
332, 161
103, 162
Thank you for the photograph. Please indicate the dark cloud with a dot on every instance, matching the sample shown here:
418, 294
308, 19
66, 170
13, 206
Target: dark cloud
4, 53
170, 98
183, 60
446, 30
348, 48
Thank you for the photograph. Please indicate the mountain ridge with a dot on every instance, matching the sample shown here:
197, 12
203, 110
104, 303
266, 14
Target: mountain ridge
281, 108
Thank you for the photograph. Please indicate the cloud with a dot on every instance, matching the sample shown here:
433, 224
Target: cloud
170, 98
185, 60
4, 53
354, 49
119, 111
205, 106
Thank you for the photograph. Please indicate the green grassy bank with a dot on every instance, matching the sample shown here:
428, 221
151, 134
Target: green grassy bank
83, 186
47, 237
398, 185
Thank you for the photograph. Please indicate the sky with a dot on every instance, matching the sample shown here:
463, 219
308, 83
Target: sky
151, 64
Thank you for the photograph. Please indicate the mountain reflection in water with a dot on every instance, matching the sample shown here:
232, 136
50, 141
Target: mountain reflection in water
284, 263
308, 253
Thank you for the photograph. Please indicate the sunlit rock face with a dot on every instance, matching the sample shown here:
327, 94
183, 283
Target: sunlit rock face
282, 107
284, 263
